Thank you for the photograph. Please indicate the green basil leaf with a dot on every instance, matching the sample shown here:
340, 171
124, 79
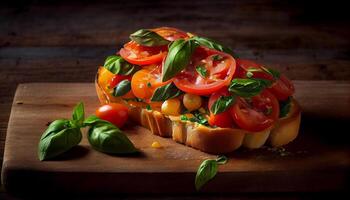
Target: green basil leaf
222, 160
285, 107
58, 138
78, 114
122, 88
184, 117
276, 74
213, 45
165, 92
222, 104
148, 38
91, 120
107, 138
180, 52
199, 118
202, 71
206, 171
248, 87
117, 65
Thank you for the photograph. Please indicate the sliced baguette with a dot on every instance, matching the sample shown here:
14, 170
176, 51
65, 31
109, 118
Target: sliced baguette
207, 139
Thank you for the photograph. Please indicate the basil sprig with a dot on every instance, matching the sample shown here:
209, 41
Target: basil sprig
180, 52
61, 135
122, 88
213, 45
107, 138
248, 87
117, 65
148, 38
222, 104
208, 170
165, 92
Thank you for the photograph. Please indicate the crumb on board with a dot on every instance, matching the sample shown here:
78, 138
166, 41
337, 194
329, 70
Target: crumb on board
156, 145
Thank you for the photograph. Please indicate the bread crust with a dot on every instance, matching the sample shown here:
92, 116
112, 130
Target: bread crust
207, 139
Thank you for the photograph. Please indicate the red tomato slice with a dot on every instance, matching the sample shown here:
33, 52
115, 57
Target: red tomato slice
142, 55
282, 88
224, 119
170, 33
219, 67
258, 114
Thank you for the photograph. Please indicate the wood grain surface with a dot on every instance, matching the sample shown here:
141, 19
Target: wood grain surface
309, 163
65, 41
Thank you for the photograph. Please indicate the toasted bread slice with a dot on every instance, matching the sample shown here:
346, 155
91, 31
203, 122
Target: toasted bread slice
207, 139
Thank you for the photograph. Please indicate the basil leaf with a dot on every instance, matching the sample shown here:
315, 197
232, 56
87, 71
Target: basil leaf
285, 107
183, 117
165, 92
78, 115
91, 120
206, 171
58, 138
117, 65
222, 104
148, 38
199, 118
122, 88
213, 45
180, 52
276, 74
248, 87
107, 138
222, 160
202, 70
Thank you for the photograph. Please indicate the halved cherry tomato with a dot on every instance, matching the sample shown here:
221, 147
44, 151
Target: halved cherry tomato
224, 119
145, 81
115, 113
142, 55
219, 68
282, 88
256, 114
170, 33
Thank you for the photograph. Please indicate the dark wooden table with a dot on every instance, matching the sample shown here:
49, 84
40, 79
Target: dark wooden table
65, 41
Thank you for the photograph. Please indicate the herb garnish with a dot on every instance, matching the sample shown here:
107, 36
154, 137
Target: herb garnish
202, 71
166, 92
180, 52
64, 134
117, 65
207, 171
148, 38
122, 88
222, 104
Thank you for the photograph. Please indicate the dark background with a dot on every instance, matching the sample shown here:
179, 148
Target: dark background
65, 41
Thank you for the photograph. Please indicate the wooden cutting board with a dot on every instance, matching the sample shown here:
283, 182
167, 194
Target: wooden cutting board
318, 160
